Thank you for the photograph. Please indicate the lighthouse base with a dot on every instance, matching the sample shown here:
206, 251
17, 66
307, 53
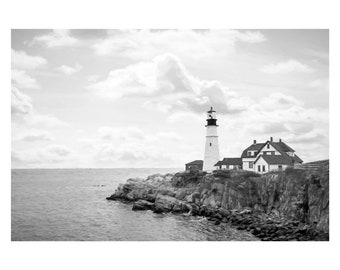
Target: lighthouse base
211, 155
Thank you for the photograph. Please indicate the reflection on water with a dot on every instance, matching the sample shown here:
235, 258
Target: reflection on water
70, 205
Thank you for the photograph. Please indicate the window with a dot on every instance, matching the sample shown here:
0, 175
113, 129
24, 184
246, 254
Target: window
259, 168
263, 168
249, 153
251, 165
268, 146
280, 167
210, 144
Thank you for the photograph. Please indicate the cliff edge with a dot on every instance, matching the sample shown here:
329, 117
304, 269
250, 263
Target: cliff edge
288, 205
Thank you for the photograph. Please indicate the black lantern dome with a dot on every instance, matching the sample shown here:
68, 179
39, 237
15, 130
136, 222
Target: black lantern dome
211, 117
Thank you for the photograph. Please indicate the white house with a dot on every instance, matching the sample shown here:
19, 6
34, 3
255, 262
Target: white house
269, 156
258, 157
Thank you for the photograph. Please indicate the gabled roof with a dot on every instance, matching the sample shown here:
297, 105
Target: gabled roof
229, 161
253, 147
283, 146
276, 159
195, 162
279, 146
280, 159
297, 159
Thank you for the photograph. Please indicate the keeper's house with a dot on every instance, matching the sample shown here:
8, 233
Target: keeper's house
263, 157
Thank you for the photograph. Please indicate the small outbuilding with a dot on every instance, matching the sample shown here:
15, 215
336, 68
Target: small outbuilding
196, 165
229, 164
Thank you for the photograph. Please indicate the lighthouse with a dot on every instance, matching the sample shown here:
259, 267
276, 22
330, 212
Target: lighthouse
212, 152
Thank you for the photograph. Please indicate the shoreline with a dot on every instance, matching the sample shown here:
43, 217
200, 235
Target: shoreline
280, 206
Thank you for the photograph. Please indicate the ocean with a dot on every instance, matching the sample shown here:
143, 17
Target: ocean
70, 205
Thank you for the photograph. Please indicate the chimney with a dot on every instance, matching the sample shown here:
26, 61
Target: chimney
271, 139
280, 140
254, 141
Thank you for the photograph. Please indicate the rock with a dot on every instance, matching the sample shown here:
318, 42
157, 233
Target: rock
292, 204
142, 205
223, 212
217, 222
166, 203
217, 216
158, 209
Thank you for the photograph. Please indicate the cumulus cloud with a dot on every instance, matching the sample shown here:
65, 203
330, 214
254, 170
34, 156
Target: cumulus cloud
21, 79
289, 66
68, 70
146, 44
21, 104
23, 111
57, 38
168, 85
21, 60
280, 116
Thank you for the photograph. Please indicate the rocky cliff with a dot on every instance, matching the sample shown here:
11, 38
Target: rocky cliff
288, 205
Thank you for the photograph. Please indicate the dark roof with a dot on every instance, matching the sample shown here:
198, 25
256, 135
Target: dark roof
280, 159
280, 146
229, 161
284, 147
276, 159
297, 159
195, 162
219, 163
253, 147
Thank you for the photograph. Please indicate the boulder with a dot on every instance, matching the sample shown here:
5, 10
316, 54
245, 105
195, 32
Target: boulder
142, 205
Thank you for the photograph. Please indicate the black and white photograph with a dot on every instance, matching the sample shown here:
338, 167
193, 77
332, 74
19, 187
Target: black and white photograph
189, 135
169, 135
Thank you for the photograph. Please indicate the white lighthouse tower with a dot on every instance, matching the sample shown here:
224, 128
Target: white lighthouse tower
212, 152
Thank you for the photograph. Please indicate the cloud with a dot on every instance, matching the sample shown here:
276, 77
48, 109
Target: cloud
279, 116
23, 111
277, 101
121, 134
21, 79
93, 78
46, 120
168, 85
132, 146
68, 70
21, 104
33, 135
21, 60
290, 66
57, 38
47, 156
193, 44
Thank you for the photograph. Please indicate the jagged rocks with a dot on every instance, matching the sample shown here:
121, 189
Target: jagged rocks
273, 206
143, 205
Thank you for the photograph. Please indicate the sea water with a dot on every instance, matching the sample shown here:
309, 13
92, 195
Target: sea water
70, 205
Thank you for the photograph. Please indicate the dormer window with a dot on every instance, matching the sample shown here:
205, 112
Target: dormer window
249, 153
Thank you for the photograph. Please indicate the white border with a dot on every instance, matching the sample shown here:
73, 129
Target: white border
167, 14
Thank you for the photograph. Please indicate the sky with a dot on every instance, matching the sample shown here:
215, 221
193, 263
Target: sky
138, 98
